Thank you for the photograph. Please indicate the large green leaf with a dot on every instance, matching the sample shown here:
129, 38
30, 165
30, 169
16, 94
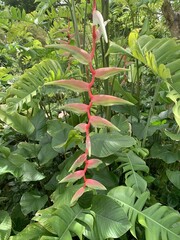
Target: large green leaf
19, 167
5, 225
160, 222
174, 177
110, 221
61, 222
18, 122
105, 144
31, 232
32, 201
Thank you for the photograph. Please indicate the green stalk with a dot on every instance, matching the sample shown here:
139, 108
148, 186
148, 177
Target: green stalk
74, 19
138, 87
104, 48
151, 112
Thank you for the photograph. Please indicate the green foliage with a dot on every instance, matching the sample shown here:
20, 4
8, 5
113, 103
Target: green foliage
132, 179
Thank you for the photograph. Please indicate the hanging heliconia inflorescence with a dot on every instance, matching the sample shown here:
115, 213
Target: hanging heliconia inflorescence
98, 30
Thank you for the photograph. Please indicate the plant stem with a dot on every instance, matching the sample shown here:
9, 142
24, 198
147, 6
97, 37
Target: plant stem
104, 48
73, 15
151, 112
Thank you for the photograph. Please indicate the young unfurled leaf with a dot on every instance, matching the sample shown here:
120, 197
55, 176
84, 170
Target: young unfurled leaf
78, 108
108, 100
72, 84
81, 55
81, 127
100, 122
91, 183
79, 161
104, 73
98, 19
93, 163
77, 195
72, 177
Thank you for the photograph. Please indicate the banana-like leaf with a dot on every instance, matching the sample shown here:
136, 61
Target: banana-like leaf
110, 220
61, 222
31, 231
160, 222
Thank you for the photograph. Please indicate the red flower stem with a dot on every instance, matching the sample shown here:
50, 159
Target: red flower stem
92, 70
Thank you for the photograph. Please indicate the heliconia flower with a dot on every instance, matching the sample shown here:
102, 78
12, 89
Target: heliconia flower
78, 108
77, 195
104, 73
98, 20
100, 122
81, 127
91, 183
108, 100
79, 161
72, 177
72, 84
80, 54
99, 31
93, 163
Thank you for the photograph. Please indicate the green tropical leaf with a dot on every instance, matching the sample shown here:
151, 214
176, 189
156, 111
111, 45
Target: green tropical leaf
18, 122
160, 222
32, 201
110, 221
105, 144
31, 232
174, 177
19, 167
61, 222
5, 225
30, 82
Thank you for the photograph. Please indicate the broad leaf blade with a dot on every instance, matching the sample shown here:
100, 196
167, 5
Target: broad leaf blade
110, 219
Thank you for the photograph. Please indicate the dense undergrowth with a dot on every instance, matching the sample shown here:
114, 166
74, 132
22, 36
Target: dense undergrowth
89, 119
